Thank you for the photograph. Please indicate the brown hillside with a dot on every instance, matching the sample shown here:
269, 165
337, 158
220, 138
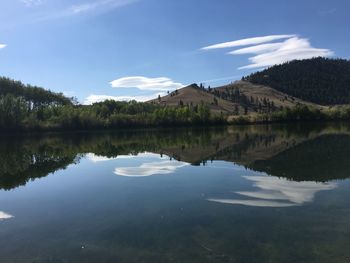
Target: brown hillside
258, 98
193, 95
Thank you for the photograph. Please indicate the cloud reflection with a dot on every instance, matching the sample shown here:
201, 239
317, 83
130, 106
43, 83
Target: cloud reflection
4, 216
151, 168
99, 158
277, 192
151, 164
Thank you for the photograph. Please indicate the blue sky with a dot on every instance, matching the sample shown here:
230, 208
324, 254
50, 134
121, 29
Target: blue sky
126, 49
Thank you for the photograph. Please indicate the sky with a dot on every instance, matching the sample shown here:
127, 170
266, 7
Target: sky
136, 49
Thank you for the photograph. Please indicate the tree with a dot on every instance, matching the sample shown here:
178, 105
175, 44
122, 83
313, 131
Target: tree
245, 110
12, 111
236, 110
203, 112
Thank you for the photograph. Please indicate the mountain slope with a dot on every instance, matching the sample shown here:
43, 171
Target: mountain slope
259, 95
318, 80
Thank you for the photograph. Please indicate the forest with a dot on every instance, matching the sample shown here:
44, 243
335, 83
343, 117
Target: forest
320, 80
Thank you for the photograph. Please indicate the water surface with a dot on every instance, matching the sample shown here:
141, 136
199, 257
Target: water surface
229, 194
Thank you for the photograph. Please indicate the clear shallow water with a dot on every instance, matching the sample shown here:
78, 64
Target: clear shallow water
247, 194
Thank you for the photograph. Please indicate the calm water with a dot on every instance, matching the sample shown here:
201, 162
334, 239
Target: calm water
246, 194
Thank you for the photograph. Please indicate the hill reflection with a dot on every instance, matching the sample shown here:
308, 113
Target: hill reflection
299, 153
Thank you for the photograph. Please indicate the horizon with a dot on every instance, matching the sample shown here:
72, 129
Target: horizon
139, 49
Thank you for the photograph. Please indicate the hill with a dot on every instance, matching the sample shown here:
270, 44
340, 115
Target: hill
193, 95
319, 80
240, 97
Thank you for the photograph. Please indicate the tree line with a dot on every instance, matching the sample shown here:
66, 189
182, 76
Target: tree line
24, 107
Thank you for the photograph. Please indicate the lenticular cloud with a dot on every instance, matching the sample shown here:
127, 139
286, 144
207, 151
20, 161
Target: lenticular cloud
271, 50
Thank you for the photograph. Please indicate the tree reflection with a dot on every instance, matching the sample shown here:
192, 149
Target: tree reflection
301, 153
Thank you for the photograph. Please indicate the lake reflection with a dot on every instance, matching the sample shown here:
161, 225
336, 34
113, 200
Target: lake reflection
4, 216
150, 164
277, 192
230, 194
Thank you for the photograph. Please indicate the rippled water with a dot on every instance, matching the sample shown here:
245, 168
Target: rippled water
229, 194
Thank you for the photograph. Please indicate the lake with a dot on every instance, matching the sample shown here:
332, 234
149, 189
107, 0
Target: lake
277, 193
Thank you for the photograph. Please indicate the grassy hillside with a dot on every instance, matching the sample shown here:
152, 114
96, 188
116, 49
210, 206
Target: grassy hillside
259, 98
318, 80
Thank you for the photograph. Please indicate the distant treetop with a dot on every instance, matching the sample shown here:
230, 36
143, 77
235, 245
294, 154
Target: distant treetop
33, 94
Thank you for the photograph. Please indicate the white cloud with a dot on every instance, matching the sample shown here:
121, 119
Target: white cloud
277, 192
293, 48
247, 41
151, 168
269, 54
4, 216
98, 158
160, 84
257, 49
145, 83
2, 46
99, 98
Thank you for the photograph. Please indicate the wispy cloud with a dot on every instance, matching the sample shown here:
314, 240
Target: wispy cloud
102, 4
87, 7
32, 2
145, 83
99, 98
268, 53
2, 46
277, 192
235, 77
330, 11
257, 49
247, 41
